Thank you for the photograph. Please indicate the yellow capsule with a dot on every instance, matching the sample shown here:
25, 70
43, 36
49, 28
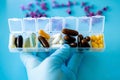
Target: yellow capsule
97, 37
95, 45
44, 34
101, 36
92, 43
93, 37
101, 41
101, 46
98, 42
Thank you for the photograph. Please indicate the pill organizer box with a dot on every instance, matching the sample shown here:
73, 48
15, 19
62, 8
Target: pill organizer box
84, 25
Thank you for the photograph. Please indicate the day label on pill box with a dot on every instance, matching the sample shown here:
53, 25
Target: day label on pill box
47, 34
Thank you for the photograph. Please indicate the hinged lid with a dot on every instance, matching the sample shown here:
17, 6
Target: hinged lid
15, 25
57, 24
70, 23
43, 23
29, 25
97, 24
83, 24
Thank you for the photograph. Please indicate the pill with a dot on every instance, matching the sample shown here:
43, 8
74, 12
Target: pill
44, 34
56, 45
84, 43
15, 41
27, 43
61, 41
93, 37
87, 38
43, 41
20, 41
70, 32
33, 40
69, 38
73, 44
12, 41
57, 38
79, 38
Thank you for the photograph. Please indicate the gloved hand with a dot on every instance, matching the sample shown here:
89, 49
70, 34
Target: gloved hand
52, 67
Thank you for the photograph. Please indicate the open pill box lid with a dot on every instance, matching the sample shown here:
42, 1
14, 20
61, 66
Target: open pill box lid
94, 24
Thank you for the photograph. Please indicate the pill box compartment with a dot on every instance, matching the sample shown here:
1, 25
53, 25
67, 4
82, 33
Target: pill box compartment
87, 26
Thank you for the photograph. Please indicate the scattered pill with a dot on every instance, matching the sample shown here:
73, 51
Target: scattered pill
99, 13
105, 8
83, 4
68, 11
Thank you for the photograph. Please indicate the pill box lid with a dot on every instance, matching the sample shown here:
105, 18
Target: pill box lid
70, 22
56, 24
97, 24
83, 24
15, 25
29, 24
43, 23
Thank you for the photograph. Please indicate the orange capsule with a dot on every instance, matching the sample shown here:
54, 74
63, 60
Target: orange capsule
44, 34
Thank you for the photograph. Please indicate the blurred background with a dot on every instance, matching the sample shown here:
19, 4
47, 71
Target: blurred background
94, 66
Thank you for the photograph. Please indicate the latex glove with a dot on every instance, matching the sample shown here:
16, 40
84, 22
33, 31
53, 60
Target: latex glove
52, 67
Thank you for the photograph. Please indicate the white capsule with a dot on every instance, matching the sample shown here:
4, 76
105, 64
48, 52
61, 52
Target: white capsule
57, 38
61, 41
56, 45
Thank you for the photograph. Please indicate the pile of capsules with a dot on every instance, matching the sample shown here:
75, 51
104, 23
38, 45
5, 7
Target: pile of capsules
70, 39
66, 36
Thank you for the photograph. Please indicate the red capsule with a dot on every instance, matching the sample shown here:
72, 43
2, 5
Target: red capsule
91, 14
68, 11
105, 8
30, 4
83, 4
23, 8
69, 3
99, 13
27, 15
86, 9
44, 6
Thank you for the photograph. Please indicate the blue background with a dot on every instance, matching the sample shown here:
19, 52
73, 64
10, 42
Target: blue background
94, 66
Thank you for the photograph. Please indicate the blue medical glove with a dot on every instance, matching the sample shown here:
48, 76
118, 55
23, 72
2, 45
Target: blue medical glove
52, 67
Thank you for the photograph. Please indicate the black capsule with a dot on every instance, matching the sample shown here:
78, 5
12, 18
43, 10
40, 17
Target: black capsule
15, 41
69, 38
20, 41
87, 38
43, 41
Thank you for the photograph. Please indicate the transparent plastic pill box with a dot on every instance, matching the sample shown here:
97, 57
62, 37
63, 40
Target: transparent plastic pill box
87, 26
